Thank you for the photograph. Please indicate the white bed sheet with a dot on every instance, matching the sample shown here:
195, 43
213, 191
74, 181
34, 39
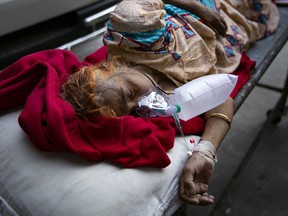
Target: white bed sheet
33, 182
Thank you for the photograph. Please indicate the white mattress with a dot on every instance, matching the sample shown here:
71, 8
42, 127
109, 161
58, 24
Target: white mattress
33, 182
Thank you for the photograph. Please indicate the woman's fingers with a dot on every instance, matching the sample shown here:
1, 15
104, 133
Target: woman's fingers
198, 199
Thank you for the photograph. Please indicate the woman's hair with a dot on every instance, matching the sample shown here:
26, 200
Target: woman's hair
91, 90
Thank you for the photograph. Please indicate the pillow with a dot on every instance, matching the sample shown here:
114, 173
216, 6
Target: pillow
203, 94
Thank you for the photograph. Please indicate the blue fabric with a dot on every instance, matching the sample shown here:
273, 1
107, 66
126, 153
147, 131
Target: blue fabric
209, 3
146, 38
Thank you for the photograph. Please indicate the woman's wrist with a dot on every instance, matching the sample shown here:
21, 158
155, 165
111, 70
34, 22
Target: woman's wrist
207, 150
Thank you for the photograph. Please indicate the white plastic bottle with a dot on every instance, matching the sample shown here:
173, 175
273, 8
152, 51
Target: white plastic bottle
202, 94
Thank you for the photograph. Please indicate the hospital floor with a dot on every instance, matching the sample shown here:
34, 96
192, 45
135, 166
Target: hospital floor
261, 188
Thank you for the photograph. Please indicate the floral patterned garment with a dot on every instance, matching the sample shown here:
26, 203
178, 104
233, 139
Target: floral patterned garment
178, 44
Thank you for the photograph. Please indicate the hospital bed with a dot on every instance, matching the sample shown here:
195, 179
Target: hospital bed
33, 182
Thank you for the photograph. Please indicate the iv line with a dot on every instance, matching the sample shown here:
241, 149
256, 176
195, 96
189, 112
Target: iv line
178, 123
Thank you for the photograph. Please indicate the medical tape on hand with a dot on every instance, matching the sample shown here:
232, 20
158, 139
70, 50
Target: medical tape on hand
207, 150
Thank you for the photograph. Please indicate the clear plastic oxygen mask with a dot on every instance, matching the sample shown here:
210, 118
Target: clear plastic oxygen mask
155, 103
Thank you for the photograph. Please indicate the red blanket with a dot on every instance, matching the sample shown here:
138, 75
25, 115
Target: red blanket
52, 125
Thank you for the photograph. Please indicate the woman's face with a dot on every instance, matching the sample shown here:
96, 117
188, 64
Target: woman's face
131, 84
107, 89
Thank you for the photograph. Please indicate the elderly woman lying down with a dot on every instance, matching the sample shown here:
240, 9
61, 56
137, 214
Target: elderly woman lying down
170, 43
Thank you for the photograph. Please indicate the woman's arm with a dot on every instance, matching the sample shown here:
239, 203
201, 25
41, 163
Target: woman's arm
217, 128
197, 172
210, 17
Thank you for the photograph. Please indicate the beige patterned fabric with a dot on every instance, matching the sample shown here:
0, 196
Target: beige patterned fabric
180, 46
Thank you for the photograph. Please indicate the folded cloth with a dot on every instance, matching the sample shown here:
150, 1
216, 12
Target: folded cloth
52, 124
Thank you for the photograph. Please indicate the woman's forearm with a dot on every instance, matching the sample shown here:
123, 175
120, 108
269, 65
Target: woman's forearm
216, 128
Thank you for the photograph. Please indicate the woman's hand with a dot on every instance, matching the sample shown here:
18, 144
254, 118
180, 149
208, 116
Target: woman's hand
194, 180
